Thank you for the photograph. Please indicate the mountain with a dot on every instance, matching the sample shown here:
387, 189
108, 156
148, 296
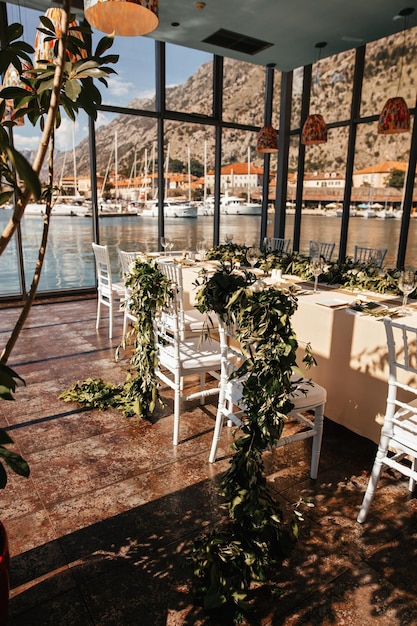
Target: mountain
243, 91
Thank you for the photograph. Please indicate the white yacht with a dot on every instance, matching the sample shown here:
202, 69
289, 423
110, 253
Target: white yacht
234, 205
171, 209
63, 209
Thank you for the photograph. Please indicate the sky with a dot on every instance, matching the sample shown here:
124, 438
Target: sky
135, 78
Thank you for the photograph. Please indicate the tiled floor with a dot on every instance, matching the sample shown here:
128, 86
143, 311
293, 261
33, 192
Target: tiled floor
100, 532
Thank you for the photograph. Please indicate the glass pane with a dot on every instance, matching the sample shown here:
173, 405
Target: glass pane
9, 271
189, 80
297, 92
377, 193
389, 71
241, 189
133, 85
332, 81
243, 92
323, 193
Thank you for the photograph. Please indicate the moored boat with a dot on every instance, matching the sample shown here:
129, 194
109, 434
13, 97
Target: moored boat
171, 209
234, 205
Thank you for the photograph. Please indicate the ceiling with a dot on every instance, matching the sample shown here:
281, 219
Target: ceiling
292, 28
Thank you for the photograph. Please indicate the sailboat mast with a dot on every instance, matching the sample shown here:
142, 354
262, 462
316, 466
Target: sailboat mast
205, 171
74, 162
189, 175
115, 165
249, 174
167, 173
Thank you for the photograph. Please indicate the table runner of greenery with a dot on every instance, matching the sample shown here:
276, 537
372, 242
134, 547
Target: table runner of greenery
347, 274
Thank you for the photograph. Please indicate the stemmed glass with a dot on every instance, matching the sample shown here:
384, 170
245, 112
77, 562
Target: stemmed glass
170, 245
407, 284
201, 249
164, 244
316, 268
228, 237
252, 255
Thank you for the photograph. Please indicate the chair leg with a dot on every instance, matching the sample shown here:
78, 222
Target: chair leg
412, 481
218, 425
202, 387
179, 384
98, 312
372, 485
316, 447
111, 319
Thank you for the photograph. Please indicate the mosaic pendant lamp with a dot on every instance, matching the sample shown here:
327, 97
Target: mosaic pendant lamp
267, 140
314, 130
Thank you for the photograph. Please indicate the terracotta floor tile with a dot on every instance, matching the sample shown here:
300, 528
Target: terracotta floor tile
102, 530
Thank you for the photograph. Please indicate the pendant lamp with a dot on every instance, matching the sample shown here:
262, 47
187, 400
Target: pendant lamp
395, 116
314, 129
128, 18
12, 79
267, 140
45, 46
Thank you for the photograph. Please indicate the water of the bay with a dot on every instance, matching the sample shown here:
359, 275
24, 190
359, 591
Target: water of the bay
69, 260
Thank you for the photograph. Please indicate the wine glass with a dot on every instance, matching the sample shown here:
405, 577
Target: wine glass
201, 249
252, 255
228, 237
407, 284
267, 244
316, 268
170, 245
164, 244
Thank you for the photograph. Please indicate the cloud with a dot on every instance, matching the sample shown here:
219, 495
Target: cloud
64, 134
103, 118
119, 88
24, 142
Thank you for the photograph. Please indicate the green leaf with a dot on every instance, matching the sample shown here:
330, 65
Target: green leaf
72, 89
14, 31
15, 461
24, 170
3, 477
104, 44
5, 196
4, 437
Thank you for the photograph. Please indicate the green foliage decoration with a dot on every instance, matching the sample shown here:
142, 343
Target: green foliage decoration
8, 383
150, 291
139, 395
229, 561
346, 274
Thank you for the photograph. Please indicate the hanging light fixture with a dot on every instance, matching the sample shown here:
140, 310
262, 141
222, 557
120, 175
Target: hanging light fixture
122, 17
45, 46
12, 79
314, 128
267, 140
395, 116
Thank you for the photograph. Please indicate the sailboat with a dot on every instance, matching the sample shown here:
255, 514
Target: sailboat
64, 206
234, 205
206, 206
172, 208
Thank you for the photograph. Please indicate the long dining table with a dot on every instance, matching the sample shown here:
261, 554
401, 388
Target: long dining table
349, 347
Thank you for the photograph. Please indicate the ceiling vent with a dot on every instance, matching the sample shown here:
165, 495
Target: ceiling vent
236, 41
